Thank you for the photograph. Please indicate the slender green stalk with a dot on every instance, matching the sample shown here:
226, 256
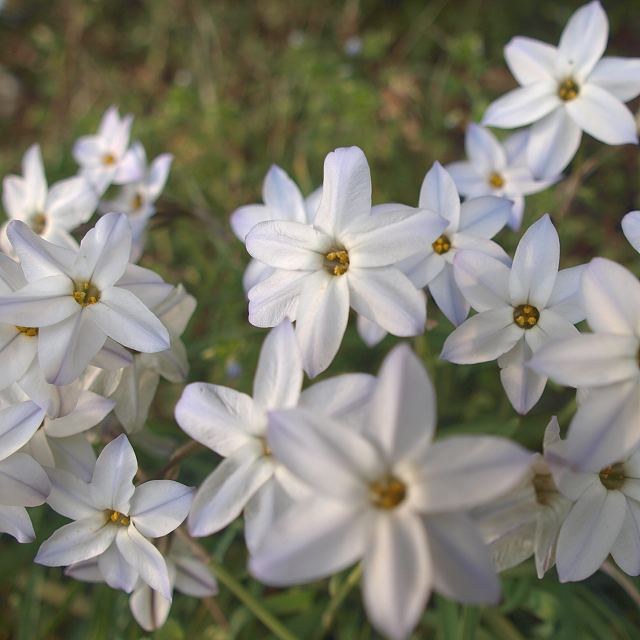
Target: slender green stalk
338, 598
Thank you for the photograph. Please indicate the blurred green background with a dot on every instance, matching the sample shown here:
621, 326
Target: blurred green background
230, 87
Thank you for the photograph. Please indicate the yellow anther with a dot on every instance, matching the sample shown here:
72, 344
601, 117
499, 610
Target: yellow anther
388, 492
86, 293
568, 90
496, 180
613, 476
526, 316
137, 201
31, 332
442, 245
38, 223
118, 518
336, 262
114, 517
108, 159
545, 487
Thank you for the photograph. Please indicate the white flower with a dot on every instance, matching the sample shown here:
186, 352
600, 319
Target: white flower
605, 363
113, 519
519, 310
51, 213
76, 299
187, 574
138, 382
498, 169
345, 259
470, 226
526, 521
104, 158
631, 229
568, 90
137, 199
234, 425
388, 495
282, 201
605, 518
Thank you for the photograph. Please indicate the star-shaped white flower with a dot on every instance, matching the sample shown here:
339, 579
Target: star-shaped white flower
526, 521
631, 229
346, 258
234, 425
519, 310
137, 198
388, 495
282, 201
497, 168
567, 90
50, 212
605, 362
606, 515
470, 226
74, 300
113, 520
105, 158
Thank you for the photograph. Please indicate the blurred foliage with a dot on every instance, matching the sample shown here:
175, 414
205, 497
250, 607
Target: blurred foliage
230, 87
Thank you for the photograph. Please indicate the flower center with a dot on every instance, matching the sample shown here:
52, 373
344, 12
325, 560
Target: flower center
30, 332
568, 90
526, 316
336, 262
388, 492
496, 180
136, 201
266, 449
38, 223
109, 159
441, 245
613, 477
545, 488
118, 518
86, 293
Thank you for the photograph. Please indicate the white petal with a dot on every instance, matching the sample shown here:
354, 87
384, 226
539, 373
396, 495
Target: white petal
448, 296
611, 296
219, 418
278, 378
285, 244
553, 141
247, 217
589, 532
90, 409
145, 558
603, 116
530, 60
123, 317
70, 496
631, 228
325, 454
159, 507
462, 566
112, 482
321, 320
35, 181
146, 285
626, 548
619, 76
282, 196
565, 299
66, 348
403, 408
255, 273
23, 483
149, 608
86, 571
224, 494
584, 39
522, 385
346, 191
469, 181
193, 577
522, 106
386, 297
17, 424
116, 571
315, 538
482, 338
483, 280
158, 173
483, 149
15, 521
74, 454
535, 265
17, 352
77, 541
462, 472
484, 216
438, 193
276, 298
370, 332
70, 203
397, 574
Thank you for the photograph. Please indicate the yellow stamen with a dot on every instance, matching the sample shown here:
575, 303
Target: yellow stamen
31, 332
108, 159
568, 90
137, 201
86, 293
118, 518
388, 492
545, 487
336, 262
496, 180
442, 245
38, 223
526, 316
613, 476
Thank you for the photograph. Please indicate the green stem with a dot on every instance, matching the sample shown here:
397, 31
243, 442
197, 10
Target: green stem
338, 598
269, 621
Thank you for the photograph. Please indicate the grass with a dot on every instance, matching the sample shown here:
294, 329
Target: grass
229, 88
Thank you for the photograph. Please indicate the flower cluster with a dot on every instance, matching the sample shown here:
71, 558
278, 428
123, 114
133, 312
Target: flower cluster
348, 470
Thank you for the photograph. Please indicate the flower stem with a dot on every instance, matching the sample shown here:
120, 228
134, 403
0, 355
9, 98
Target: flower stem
338, 598
622, 580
